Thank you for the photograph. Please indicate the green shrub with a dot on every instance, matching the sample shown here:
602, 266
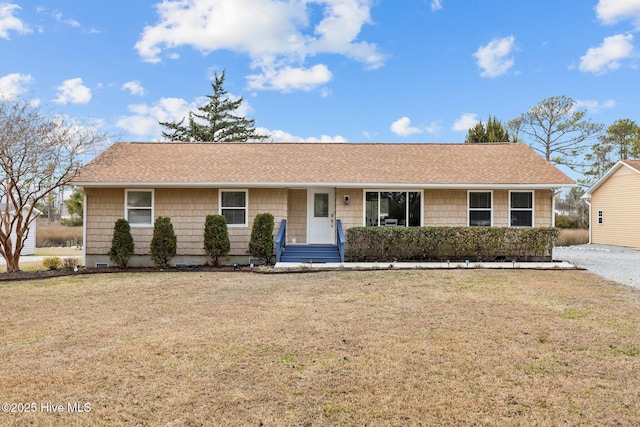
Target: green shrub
122, 245
72, 222
216, 238
164, 243
52, 263
452, 243
261, 242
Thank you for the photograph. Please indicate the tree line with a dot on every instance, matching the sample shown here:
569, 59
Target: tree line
563, 135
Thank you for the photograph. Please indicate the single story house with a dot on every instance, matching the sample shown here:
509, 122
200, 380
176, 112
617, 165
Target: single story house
311, 186
614, 206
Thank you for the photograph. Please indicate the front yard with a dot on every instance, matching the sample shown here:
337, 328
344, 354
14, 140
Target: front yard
449, 347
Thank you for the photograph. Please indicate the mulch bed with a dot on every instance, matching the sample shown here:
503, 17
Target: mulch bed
46, 274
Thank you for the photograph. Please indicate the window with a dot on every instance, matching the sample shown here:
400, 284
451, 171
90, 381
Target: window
321, 205
480, 208
521, 208
139, 207
234, 207
393, 208
600, 217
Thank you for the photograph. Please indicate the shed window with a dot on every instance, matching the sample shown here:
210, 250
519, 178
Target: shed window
480, 208
521, 208
139, 207
234, 207
600, 217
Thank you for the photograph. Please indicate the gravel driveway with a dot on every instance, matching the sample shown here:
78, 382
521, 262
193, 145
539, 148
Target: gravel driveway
611, 262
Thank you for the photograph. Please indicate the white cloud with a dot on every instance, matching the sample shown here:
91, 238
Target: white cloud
71, 22
613, 11
288, 78
593, 106
436, 5
8, 22
13, 85
277, 35
608, 55
134, 87
465, 122
402, 127
495, 58
144, 120
282, 136
72, 91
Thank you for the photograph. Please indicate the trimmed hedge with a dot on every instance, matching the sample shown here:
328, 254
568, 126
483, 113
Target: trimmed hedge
122, 245
216, 238
164, 243
261, 242
449, 243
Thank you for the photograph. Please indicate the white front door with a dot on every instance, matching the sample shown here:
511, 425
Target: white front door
321, 222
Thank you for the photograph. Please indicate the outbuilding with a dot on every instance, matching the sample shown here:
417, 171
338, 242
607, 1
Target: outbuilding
614, 205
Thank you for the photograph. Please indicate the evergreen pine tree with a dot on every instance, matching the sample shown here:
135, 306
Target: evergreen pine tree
216, 238
122, 245
493, 131
164, 243
215, 121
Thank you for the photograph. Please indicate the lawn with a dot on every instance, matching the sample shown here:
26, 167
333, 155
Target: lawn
450, 347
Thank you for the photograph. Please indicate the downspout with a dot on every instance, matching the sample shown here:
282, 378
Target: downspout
84, 228
587, 201
553, 208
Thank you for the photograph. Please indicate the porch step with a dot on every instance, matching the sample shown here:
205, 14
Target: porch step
311, 253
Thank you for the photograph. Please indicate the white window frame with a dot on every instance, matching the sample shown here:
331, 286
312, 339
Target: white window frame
246, 207
391, 190
600, 217
469, 208
532, 209
152, 207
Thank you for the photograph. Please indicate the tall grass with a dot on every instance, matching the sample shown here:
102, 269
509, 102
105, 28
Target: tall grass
55, 235
573, 236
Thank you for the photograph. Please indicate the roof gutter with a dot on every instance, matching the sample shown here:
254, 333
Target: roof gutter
418, 186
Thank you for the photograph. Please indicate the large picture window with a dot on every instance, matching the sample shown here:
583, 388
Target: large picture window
393, 208
521, 208
234, 207
139, 207
480, 208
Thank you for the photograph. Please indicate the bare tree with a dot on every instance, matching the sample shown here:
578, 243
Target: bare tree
557, 130
39, 153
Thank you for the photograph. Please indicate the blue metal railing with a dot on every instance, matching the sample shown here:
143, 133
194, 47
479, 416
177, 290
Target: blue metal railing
281, 240
341, 239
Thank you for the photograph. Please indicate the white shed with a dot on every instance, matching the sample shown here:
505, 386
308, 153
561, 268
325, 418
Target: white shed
30, 244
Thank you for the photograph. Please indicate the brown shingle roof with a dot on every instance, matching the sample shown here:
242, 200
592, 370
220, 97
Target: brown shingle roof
306, 164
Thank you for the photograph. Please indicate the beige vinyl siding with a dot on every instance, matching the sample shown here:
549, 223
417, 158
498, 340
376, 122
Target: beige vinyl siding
297, 216
261, 200
501, 208
104, 207
351, 215
445, 207
619, 200
543, 208
188, 209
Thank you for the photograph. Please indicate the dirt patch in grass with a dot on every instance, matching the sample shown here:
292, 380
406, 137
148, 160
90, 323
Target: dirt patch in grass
447, 347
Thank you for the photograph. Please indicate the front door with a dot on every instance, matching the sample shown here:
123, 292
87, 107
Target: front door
321, 216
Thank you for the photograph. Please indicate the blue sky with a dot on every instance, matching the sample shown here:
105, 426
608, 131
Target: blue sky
333, 70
